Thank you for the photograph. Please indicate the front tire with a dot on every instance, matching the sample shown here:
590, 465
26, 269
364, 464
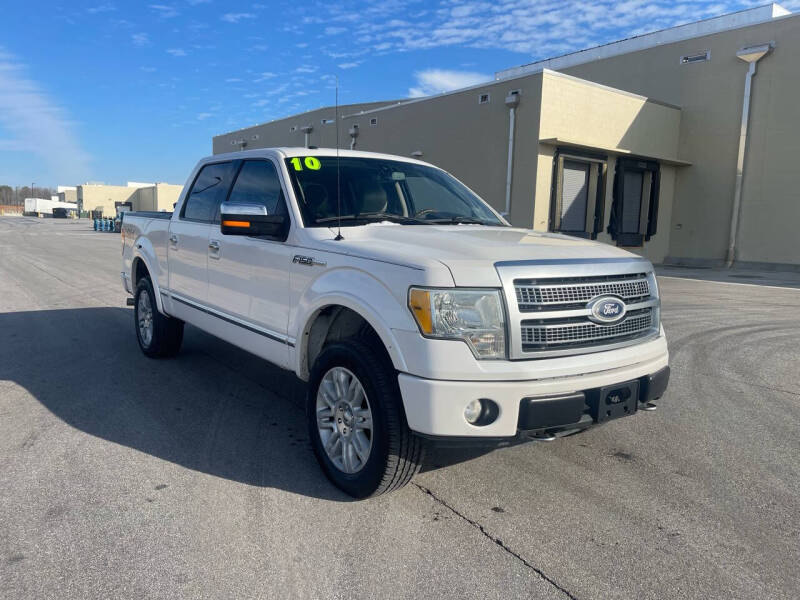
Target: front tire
356, 422
158, 335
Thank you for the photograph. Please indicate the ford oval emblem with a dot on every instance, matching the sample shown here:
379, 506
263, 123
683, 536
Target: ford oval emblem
606, 309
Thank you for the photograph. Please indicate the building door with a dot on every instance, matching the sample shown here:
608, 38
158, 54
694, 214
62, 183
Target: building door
634, 212
578, 193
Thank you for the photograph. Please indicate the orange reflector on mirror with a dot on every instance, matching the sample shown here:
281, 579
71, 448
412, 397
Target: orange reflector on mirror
236, 223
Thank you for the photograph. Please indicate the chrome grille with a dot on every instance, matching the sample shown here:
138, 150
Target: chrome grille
549, 308
582, 332
534, 295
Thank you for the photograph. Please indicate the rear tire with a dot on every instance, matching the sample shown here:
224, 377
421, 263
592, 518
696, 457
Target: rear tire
361, 461
159, 336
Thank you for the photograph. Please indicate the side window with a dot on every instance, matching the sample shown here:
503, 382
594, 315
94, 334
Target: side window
208, 191
634, 213
258, 183
578, 195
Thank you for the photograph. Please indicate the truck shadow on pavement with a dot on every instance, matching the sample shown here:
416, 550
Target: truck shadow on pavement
214, 408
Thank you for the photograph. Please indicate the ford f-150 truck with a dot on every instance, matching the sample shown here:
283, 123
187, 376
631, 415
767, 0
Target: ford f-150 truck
414, 311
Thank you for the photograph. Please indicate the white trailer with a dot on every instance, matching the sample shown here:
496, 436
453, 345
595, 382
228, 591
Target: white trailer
44, 206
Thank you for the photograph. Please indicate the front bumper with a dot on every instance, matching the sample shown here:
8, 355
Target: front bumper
435, 408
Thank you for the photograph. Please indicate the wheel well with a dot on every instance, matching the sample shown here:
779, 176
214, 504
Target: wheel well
139, 271
334, 323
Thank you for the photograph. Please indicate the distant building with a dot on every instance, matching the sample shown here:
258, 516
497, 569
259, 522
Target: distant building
637, 143
92, 197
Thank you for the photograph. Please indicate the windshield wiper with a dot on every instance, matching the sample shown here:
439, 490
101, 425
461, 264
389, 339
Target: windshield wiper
460, 220
374, 216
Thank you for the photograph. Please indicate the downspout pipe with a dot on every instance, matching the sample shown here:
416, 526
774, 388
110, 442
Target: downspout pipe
353, 135
307, 129
751, 55
512, 101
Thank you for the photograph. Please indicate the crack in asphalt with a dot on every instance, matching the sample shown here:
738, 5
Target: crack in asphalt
496, 540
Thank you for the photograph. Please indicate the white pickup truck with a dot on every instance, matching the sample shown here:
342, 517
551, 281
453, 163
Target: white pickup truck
412, 308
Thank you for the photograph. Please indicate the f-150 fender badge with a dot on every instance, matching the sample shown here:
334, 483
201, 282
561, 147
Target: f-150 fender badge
308, 260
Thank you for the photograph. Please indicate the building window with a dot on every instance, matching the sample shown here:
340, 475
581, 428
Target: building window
694, 58
373, 121
327, 121
578, 194
483, 99
634, 211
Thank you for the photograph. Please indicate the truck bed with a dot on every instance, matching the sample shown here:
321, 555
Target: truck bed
148, 214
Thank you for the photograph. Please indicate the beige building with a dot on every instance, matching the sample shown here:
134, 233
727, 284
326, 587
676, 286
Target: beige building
639, 143
67, 193
94, 197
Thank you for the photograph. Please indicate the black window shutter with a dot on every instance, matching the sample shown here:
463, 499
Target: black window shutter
614, 216
652, 219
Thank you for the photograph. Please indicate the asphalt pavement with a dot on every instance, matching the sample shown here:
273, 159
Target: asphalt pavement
125, 477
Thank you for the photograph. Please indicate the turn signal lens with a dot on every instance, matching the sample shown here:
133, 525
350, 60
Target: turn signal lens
236, 223
419, 301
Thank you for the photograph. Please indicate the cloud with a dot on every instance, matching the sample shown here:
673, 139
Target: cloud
335, 30
236, 17
165, 11
176, 51
148, 69
348, 65
38, 125
140, 39
436, 81
204, 115
306, 69
102, 8
537, 28
264, 76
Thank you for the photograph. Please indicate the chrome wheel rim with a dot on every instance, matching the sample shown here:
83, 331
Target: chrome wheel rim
144, 316
344, 420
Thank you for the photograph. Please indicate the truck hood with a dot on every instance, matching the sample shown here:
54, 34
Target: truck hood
469, 251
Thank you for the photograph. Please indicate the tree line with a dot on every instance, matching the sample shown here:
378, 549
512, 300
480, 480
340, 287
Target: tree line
15, 196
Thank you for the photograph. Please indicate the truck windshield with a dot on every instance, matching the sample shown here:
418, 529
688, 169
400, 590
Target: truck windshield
373, 189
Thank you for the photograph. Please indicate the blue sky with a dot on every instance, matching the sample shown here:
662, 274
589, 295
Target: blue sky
114, 91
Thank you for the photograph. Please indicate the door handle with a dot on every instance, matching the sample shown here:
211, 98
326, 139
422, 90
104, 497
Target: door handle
213, 249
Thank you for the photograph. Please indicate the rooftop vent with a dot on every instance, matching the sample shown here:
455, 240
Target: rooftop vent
693, 58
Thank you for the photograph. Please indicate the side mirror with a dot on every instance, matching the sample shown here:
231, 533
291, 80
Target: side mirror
252, 220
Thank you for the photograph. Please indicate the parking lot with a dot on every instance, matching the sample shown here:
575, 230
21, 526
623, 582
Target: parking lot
124, 477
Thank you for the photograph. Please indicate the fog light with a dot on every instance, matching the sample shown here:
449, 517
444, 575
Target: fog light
473, 411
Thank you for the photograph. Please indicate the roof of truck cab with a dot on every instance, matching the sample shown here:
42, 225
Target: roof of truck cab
285, 152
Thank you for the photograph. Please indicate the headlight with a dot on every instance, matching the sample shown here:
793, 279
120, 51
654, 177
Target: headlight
474, 316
